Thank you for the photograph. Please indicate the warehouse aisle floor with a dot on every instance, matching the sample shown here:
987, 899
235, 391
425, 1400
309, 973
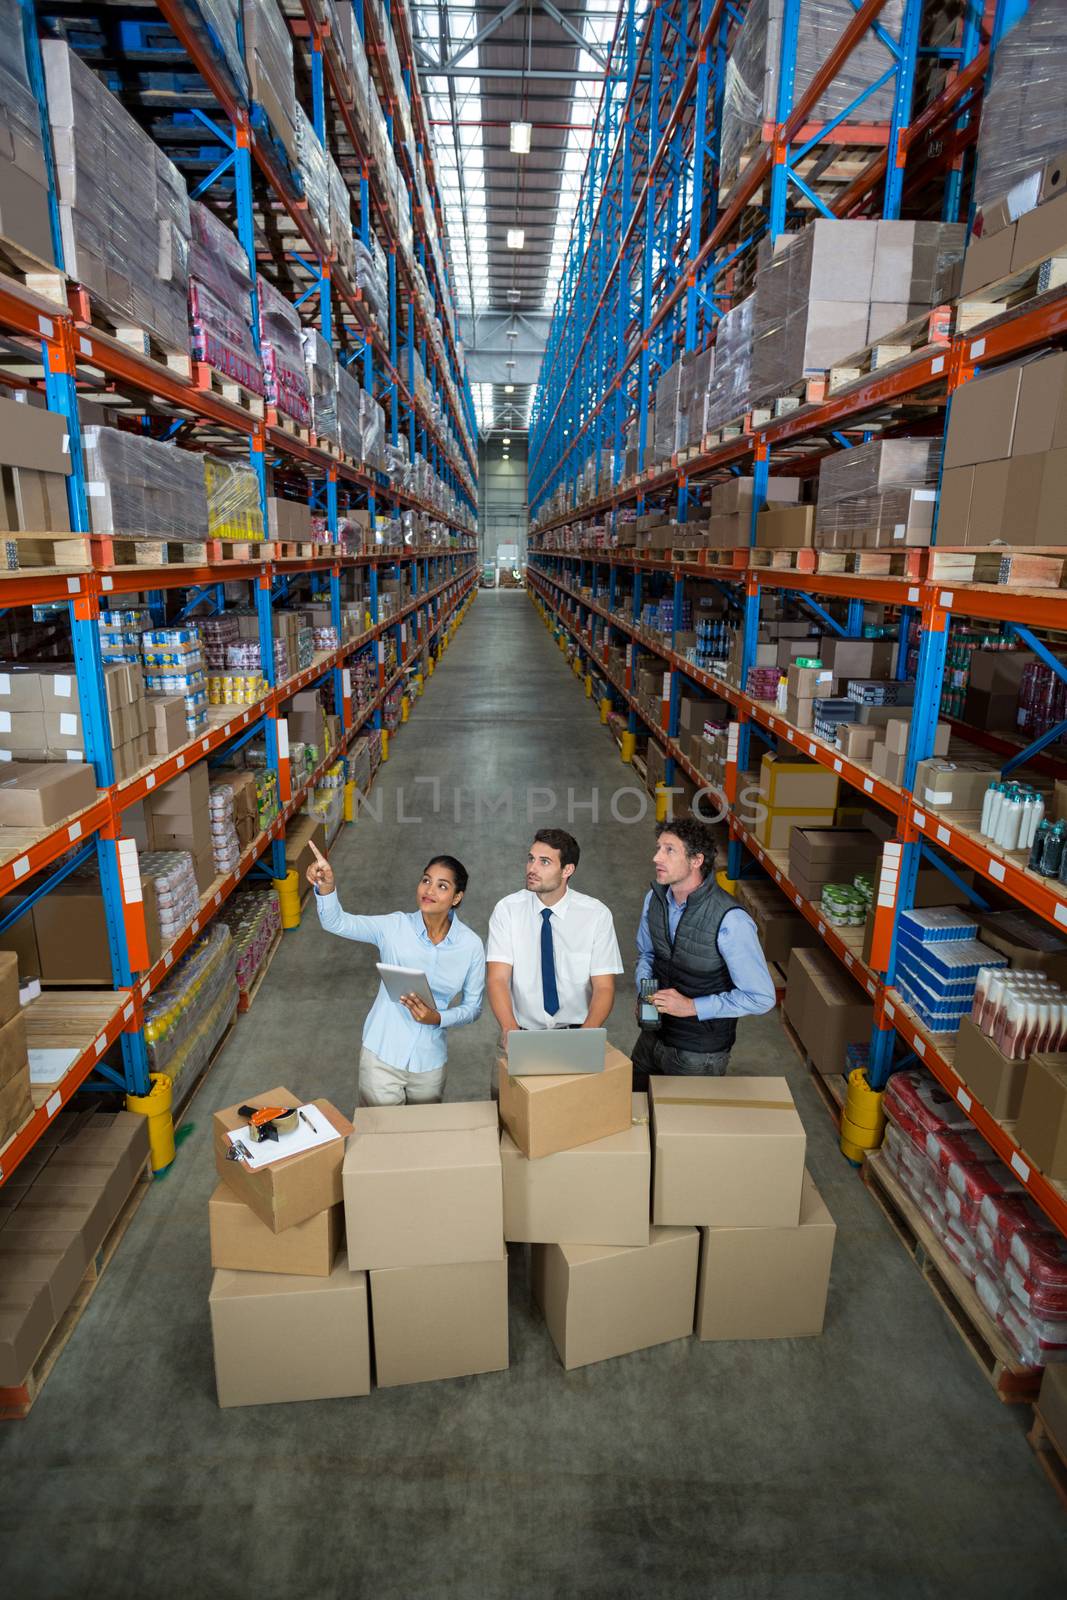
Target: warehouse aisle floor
873, 1460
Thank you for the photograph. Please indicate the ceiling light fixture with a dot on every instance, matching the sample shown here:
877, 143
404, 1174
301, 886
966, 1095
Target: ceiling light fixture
520, 138
505, 440
516, 238
509, 388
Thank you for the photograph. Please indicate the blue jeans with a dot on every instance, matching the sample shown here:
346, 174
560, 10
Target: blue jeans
651, 1057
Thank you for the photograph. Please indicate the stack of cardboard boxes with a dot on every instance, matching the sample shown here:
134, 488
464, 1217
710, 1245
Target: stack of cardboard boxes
424, 1221
41, 716
878, 495
34, 467
56, 1211
178, 817
826, 1008
289, 1320
16, 1104
791, 794
1005, 464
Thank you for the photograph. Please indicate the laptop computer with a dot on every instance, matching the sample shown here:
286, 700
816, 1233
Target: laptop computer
536, 1051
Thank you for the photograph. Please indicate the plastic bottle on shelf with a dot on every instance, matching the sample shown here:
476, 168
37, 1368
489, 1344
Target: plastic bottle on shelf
1037, 846
1052, 852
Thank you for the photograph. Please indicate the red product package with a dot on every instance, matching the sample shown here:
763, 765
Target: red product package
1036, 1270
914, 1094
1005, 1215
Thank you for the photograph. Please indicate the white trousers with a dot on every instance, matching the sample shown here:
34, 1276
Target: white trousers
383, 1085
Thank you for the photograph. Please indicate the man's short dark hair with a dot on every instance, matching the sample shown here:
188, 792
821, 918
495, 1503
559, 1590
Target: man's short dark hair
456, 868
560, 840
696, 839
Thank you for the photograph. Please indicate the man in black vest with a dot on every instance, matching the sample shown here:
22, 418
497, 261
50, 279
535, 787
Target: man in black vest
704, 954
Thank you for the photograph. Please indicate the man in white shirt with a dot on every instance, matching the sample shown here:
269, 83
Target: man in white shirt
552, 953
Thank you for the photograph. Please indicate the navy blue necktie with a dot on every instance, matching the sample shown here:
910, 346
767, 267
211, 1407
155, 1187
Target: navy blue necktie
548, 966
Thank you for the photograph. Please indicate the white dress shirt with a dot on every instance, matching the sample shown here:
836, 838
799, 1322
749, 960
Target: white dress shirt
584, 947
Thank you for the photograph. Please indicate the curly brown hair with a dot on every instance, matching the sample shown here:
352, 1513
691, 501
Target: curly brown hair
696, 839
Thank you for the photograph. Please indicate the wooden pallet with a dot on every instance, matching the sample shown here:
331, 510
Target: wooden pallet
736, 428
1012, 1382
246, 996
999, 565
278, 420
1019, 291
1051, 1461
290, 550
92, 313
206, 377
933, 328
34, 274
111, 551
17, 1402
809, 391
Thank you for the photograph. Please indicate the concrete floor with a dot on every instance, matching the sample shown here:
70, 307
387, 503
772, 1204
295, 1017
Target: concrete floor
874, 1460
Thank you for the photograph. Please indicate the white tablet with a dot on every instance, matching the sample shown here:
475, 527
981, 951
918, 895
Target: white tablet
405, 980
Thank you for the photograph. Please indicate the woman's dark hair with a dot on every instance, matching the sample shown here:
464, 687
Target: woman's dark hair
456, 868
565, 843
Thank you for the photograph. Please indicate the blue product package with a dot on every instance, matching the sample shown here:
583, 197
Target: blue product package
937, 924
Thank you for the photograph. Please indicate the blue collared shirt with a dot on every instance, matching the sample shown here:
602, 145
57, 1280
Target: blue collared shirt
456, 966
739, 946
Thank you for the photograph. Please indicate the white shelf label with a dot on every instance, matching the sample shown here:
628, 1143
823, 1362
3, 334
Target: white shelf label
943, 836
1020, 1166
946, 597
890, 1010
977, 349
868, 784
848, 961
920, 819
996, 870
964, 1099
837, 766
180, 762
52, 1106
913, 596
811, 749
150, 781
45, 327
871, 988
920, 1049
99, 1044
937, 364
127, 1012
21, 867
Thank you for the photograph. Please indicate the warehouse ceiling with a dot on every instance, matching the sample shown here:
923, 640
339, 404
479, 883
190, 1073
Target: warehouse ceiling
484, 67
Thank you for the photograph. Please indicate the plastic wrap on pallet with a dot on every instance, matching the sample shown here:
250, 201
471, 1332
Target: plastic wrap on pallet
220, 305
123, 207
314, 173
369, 269
373, 430
731, 384
24, 214
218, 22
878, 465
286, 384
233, 508
751, 91
269, 59
253, 917
699, 390
188, 1014
1024, 108
321, 365
668, 410
141, 488
340, 217
348, 414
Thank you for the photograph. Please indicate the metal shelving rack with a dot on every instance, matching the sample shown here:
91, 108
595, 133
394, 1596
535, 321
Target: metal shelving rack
76, 358
652, 166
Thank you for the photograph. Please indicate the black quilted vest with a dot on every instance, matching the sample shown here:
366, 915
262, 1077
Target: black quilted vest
692, 965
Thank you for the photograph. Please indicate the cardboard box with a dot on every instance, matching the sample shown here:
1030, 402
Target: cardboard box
9, 986
988, 259
856, 740
1052, 1404
279, 1337
240, 1242
767, 1283
1041, 1128
422, 1185
797, 785
807, 682
600, 1301
857, 658
559, 1112
440, 1321
887, 764
982, 426
58, 1261
831, 854
779, 925
598, 1193
185, 796
166, 728
785, 528
1040, 234
290, 1190
1027, 940
727, 1151
952, 785
826, 1008
42, 795
32, 437
25, 1322
996, 1081
774, 828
